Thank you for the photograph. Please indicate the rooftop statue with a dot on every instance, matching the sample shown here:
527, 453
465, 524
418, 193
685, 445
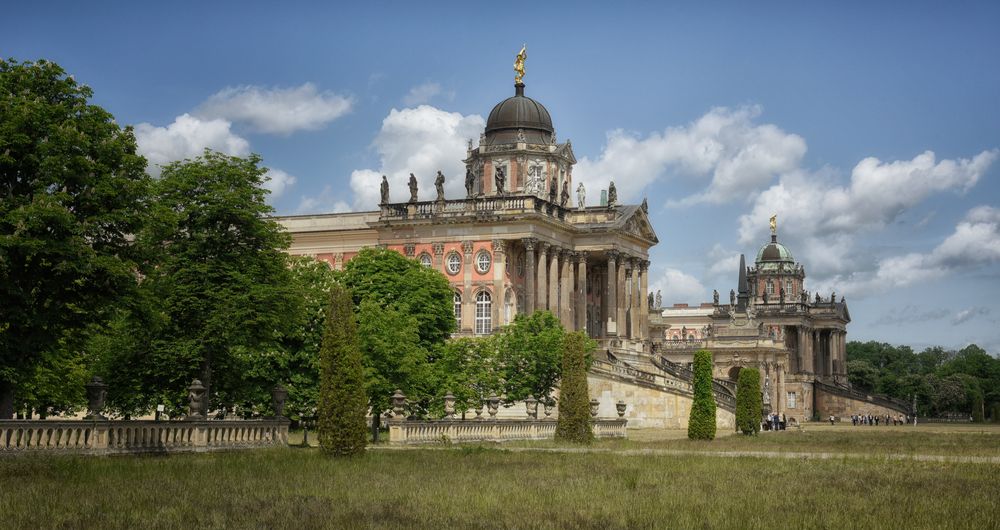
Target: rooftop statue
715, 296
774, 224
439, 185
500, 178
581, 196
659, 299
519, 64
470, 182
413, 188
732, 297
612, 195
384, 190
650, 301
553, 190
564, 198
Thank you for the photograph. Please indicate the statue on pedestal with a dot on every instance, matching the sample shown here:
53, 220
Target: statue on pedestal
659, 299
384, 190
564, 198
581, 196
715, 297
553, 190
413, 188
439, 186
612, 195
500, 178
470, 182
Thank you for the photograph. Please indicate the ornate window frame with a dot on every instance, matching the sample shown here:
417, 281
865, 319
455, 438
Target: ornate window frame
484, 261
453, 258
484, 313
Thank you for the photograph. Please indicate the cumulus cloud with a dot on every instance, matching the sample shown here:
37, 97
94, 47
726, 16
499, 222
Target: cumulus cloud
678, 286
725, 145
975, 242
421, 94
327, 201
276, 110
724, 262
187, 137
277, 181
422, 141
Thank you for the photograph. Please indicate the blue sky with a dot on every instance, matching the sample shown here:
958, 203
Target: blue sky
872, 131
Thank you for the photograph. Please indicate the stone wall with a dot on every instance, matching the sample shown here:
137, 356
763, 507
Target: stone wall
842, 405
648, 407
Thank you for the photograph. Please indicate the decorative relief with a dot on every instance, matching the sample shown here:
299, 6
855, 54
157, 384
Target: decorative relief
499, 245
467, 247
529, 243
438, 249
409, 249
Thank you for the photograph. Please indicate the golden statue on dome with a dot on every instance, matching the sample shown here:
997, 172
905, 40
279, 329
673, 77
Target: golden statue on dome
519, 64
774, 224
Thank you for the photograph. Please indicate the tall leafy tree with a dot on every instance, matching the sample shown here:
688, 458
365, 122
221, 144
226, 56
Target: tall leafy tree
388, 278
574, 407
342, 401
531, 352
72, 189
469, 368
701, 424
221, 284
748, 401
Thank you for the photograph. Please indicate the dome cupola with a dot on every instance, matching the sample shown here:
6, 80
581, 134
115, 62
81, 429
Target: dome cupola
519, 119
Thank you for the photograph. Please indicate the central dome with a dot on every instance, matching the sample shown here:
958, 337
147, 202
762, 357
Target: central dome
519, 113
772, 254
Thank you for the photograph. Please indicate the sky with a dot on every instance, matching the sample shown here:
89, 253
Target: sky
872, 131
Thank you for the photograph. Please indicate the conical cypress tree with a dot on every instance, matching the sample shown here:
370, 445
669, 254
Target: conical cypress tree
342, 401
748, 401
574, 403
701, 424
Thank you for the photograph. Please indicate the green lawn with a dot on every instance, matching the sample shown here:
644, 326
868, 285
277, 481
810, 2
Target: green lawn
476, 487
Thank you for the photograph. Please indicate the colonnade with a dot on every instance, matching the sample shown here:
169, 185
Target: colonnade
822, 351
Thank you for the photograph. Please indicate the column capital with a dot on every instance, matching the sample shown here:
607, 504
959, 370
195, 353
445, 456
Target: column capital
644, 265
580, 256
543, 247
499, 245
613, 254
566, 253
529, 243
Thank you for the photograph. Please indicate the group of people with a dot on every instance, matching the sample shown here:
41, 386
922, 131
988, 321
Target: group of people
774, 422
879, 419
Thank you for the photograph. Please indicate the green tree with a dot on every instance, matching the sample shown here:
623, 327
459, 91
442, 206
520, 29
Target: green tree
701, 424
862, 374
342, 401
73, 190
574, 407
531, 352
221, 285
748, 401
469, 368
389, 279
978, 412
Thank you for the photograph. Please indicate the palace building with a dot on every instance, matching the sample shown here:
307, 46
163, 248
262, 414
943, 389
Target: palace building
517, 242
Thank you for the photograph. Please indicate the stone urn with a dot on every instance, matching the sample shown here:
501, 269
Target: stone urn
97, 391
398, 401
278, 397
493, 403
593, 407
449, 406
531, 406
620, 407
549, 406
196, 400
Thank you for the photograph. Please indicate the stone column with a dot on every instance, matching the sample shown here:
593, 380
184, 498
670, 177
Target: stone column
529, 274
782, 395
843, 353
553, 299
499, 270
566, 291
541, 290
581, 291
612, 293
635, 303
806, 350
620, 289
439, 256
643, 299
468, 292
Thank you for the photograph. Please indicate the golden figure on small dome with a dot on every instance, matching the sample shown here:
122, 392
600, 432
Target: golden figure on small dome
519, 63
774, 223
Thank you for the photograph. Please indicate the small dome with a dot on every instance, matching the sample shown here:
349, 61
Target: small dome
774, 252
519, 113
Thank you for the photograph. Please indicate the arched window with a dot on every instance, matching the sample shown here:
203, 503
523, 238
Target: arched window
454, 263
483, 262
425, 259
769, 287
484, 313
457, 300
788, 287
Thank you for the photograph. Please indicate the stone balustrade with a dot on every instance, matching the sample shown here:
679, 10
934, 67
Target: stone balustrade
101, 437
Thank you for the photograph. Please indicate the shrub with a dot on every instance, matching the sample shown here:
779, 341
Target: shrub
978, 414
748, 401
701, 424
574, 406
342, 401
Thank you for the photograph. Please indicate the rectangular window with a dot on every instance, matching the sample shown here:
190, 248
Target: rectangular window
791, 400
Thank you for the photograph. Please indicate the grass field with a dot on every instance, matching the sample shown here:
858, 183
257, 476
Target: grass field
478, 487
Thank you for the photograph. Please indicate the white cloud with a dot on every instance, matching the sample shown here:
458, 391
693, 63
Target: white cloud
421, 94
678, 287
327, 201
724, 144
724, 262
422, 141
966, 315
975, 242
187, 137
277, 181
277, 110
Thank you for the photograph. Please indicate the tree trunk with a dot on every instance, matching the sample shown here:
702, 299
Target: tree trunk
6, 400
376, 423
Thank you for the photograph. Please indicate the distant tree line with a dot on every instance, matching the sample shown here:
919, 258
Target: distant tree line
945, 382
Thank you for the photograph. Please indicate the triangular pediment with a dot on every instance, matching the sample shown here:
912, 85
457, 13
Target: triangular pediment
636, 223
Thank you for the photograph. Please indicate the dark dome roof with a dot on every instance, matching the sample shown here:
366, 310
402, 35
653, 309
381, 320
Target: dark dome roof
519, 113
773, 253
